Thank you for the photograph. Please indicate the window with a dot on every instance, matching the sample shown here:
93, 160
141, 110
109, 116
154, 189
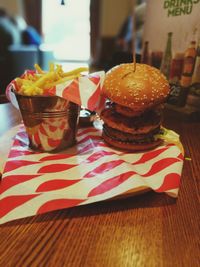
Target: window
67, 28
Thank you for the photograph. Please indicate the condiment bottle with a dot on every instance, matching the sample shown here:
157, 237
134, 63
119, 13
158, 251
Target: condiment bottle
196, 72
188, 65
167, 57
176, 68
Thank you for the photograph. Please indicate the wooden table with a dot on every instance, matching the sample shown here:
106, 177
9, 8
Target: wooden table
146, 230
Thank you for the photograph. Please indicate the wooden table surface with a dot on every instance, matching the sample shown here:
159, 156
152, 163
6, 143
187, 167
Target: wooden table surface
146, 230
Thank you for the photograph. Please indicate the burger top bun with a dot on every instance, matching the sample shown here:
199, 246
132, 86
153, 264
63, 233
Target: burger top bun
139, 89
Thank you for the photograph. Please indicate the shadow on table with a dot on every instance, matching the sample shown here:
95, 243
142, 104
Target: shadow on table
146, 200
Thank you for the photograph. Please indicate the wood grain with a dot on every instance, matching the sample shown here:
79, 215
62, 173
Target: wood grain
145, 230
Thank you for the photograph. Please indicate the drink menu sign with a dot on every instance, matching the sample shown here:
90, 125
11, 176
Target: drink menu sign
172, 44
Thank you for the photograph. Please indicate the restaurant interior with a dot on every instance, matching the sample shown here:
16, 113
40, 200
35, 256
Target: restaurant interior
87, 38
86, 180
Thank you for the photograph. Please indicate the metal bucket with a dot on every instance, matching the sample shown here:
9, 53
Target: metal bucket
51, 122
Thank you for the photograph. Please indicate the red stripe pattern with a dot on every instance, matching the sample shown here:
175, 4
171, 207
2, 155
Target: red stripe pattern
36, 182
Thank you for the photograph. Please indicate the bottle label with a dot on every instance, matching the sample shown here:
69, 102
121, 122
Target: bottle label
176, 69
186, 81
188, 65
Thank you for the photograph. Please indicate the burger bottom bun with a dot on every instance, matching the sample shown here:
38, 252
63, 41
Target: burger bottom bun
130, 147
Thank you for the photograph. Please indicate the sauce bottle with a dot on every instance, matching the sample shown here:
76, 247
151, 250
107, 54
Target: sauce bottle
176, 68
196, 73
188, 65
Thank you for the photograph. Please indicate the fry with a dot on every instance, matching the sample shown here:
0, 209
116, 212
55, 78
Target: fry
39, 70
47, 76
39, 82
62, 80
76, 71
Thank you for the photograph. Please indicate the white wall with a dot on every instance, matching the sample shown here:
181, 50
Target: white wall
113, 13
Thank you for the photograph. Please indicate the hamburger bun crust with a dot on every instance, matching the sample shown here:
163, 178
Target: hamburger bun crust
139, 89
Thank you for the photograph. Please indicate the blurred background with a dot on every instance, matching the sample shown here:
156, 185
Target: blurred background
94, 33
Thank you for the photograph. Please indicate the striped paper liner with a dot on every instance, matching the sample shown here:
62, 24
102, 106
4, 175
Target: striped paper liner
91, 171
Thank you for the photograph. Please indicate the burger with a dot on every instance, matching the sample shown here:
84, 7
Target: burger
132, 115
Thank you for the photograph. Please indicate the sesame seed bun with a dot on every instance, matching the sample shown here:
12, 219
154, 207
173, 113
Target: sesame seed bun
133, 115
139, 90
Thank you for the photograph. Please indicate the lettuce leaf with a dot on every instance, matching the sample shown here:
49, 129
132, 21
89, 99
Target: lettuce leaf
170, 137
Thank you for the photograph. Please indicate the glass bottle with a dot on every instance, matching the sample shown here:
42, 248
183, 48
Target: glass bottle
145, 55
188, 65
176, 68
196, 73
167, 57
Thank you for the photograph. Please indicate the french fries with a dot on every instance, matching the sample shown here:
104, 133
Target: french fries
40, 82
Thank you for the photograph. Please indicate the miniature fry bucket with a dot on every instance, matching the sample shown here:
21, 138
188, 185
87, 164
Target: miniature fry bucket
51, 122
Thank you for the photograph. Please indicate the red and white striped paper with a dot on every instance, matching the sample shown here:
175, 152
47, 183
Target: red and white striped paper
35, 183
84, 91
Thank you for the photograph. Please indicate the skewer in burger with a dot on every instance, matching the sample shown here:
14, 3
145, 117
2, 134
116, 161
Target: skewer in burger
133, 115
